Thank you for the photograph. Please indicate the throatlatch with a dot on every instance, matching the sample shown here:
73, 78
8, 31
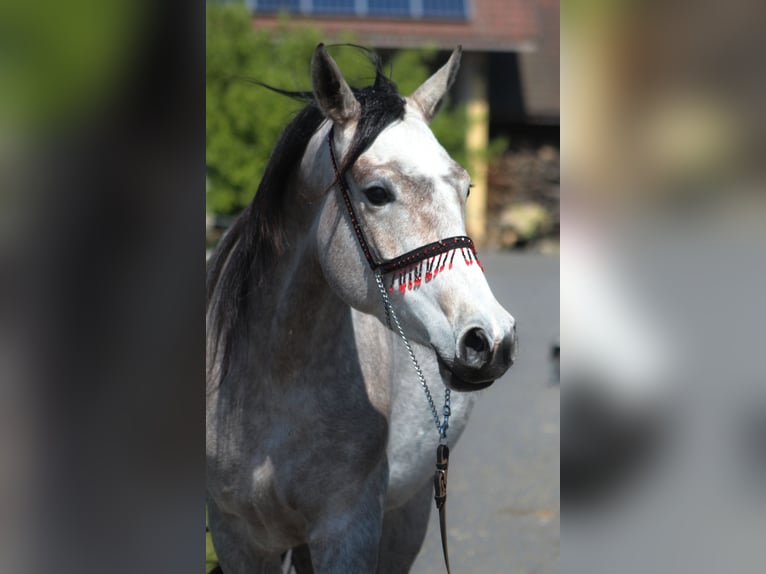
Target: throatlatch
407, 272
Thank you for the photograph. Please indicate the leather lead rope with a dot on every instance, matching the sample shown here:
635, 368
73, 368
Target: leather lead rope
442, 450
440, 496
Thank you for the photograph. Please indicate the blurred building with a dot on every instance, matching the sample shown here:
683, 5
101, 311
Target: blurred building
509, 77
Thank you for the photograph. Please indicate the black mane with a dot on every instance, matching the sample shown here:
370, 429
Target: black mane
246, 254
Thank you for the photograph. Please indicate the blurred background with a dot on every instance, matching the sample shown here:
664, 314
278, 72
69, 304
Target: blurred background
662, 279
106, 180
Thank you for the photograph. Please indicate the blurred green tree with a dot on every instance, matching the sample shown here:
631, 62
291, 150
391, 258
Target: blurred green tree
245, 120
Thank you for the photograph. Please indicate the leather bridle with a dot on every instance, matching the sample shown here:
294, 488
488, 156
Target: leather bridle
407, 260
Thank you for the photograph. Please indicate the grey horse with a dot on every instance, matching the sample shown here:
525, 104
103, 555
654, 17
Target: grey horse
319, 434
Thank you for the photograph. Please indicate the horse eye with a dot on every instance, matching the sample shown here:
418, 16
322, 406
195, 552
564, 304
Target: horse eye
377, 195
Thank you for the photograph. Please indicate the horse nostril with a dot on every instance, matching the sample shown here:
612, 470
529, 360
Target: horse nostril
475, 347
474, 339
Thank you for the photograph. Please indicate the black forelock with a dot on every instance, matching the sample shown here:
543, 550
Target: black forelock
381, 106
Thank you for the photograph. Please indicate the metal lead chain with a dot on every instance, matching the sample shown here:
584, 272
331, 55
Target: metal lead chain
441, 427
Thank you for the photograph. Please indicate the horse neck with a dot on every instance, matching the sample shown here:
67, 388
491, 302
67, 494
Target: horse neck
297, 292
295, 302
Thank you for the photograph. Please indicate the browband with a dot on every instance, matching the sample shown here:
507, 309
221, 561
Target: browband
410, 259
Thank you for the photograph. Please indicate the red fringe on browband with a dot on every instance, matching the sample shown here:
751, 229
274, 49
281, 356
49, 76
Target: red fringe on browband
426, 270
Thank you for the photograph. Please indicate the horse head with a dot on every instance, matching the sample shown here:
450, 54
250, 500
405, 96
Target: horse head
404, 194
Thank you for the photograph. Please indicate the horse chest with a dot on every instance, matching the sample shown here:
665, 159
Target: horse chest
413, 440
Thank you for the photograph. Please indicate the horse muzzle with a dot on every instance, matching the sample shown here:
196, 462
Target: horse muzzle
479, 359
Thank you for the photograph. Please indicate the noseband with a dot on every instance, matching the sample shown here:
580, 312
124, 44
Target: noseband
410, 270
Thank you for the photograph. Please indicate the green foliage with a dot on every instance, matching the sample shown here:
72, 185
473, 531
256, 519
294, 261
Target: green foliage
211, 558
244, 120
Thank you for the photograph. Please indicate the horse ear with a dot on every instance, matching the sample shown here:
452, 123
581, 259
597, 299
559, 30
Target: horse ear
430, 95
331, 91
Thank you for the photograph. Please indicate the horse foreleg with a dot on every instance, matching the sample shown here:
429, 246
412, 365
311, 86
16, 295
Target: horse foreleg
230, 539
404, 530
300, 560
345, 540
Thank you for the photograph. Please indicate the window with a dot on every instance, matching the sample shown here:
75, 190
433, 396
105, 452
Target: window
404, 9
438, 9
400, 8
276, 5
332, 6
